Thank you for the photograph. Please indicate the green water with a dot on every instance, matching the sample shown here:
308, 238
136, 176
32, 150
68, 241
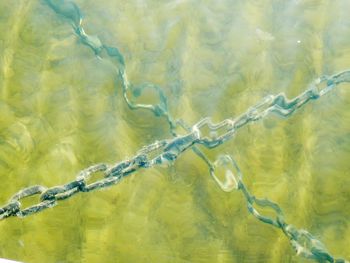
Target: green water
62, 110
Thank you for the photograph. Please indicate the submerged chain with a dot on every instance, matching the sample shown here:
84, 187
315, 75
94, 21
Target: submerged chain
304, 243
165, 152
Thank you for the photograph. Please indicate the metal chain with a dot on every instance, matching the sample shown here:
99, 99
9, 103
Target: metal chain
165, 152
302, 241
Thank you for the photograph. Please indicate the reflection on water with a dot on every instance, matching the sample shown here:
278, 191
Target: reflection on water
63, 109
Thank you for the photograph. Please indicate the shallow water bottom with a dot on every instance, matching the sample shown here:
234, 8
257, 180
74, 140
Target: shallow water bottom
63, 109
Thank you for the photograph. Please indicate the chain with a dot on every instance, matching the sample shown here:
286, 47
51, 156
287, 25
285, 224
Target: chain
165, 152
303, 242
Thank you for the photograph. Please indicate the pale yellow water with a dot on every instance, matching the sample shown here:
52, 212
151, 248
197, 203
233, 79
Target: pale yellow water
61, 111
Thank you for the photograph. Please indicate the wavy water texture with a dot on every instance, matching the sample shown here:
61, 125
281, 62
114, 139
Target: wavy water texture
165, 152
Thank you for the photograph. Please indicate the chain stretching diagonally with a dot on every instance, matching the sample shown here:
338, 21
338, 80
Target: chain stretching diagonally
165, 152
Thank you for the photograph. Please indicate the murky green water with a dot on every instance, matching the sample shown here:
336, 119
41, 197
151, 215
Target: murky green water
62, 110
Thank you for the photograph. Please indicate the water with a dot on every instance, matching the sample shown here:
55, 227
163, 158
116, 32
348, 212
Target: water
62, 109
